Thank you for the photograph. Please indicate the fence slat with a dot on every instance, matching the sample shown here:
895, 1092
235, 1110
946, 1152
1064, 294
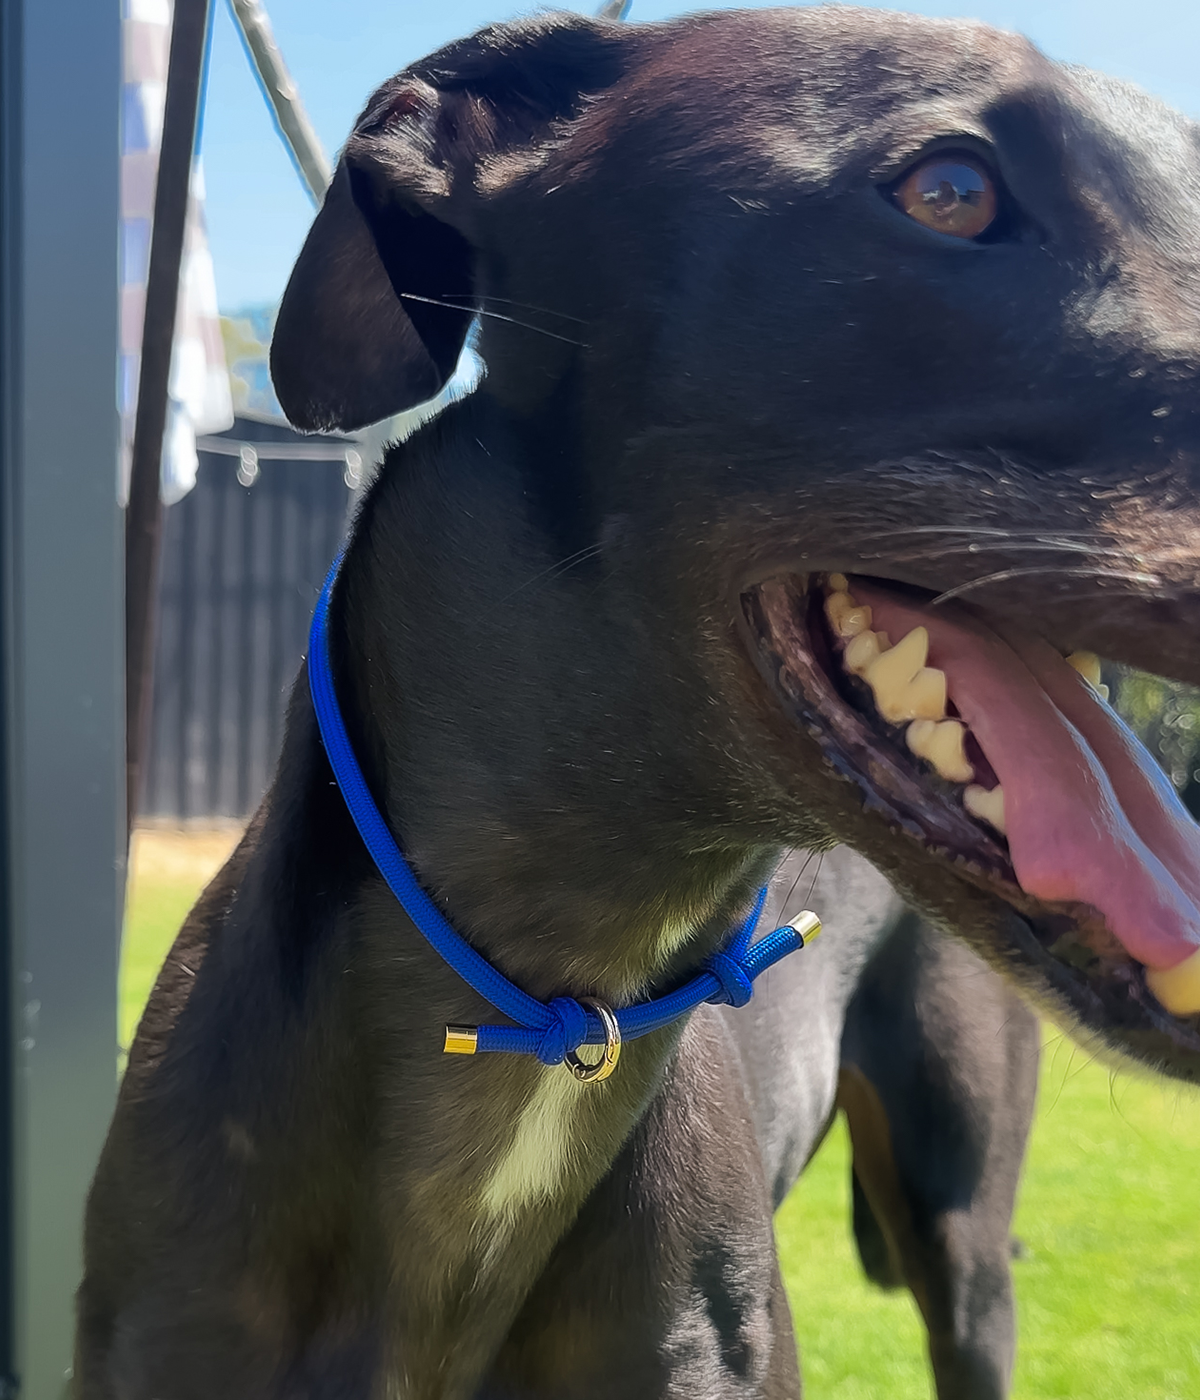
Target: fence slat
241, 569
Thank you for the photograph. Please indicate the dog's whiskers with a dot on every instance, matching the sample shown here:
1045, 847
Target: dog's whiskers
581, 556
783, 906
1005, 575
493, 315
975, 539
980, 537
1107, 553
1099, 548
471, 301
809, 857
992, 531
816, 876
1010, 546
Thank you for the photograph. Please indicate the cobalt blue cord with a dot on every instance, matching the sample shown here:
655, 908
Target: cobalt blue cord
550, 1030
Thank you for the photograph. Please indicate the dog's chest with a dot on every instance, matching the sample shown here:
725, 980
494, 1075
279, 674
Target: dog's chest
541, 1155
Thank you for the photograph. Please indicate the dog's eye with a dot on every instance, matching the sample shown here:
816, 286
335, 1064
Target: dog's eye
951, 192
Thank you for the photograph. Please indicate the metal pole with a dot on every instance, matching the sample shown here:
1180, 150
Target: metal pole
61, 657
143, 517
283, 97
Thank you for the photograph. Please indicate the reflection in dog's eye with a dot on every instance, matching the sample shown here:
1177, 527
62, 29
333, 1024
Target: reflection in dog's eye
951, 193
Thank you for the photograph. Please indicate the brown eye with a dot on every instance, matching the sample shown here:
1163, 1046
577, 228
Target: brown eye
951, 193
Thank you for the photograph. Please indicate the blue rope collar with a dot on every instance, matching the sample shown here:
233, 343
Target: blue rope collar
551, 1030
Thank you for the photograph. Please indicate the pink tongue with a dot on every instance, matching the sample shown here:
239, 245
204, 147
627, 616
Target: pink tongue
1091, 818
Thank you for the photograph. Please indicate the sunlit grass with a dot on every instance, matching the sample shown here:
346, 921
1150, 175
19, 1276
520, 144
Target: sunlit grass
168, 869
1109, 1295
1109, 1213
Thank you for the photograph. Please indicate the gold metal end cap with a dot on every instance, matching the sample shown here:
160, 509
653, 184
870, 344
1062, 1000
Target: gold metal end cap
461, 1040
806, 926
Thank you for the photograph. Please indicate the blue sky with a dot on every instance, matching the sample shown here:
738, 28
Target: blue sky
338, 50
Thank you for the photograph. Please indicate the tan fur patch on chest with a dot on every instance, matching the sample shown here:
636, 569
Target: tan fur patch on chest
543, 1149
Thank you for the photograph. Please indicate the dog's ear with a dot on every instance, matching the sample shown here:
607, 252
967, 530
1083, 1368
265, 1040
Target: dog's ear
346, 350
380, 300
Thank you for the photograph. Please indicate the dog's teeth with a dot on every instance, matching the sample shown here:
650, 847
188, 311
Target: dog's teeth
839, 583
1178, 988
987, 806
861, 651
926, 695
903, 686
899, 665
941, 744
1087, 663
845, 616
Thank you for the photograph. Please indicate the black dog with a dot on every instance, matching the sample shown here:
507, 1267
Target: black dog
938, 1082
766, 298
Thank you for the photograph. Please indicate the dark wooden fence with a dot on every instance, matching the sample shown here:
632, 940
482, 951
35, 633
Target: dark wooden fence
243, 558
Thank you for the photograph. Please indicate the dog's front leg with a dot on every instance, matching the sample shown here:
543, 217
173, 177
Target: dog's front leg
939, 1076
668, 1287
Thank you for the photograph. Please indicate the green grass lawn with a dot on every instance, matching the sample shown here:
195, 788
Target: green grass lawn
1109, 1295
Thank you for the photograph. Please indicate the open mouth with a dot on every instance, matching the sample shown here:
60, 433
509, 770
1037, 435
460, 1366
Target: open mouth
983, 744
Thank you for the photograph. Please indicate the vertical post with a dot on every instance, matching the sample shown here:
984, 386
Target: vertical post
143, 517
61, 714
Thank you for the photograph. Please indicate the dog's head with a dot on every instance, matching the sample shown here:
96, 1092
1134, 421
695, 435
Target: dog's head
831, 302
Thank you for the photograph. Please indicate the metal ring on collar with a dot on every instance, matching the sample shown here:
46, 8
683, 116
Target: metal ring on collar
595, 1074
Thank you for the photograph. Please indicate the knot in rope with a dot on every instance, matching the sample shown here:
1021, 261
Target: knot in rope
565, 1034
736, 986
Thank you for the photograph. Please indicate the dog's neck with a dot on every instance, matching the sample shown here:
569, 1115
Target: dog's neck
577, 867
554, 820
